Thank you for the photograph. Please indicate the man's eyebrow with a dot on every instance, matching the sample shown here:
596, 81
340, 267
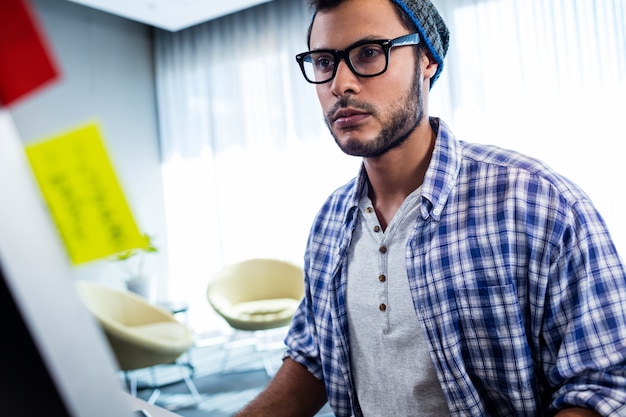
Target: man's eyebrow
365, 39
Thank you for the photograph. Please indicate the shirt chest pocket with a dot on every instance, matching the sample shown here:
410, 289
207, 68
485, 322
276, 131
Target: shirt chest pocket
493, 338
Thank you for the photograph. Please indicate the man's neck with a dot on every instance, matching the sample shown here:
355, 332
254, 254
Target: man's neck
399, 172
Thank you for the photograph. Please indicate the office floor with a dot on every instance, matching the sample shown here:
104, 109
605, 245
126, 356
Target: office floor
224, 387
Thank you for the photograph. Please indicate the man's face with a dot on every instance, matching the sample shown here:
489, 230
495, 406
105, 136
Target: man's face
368, 116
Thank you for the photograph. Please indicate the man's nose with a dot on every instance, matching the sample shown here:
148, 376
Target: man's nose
345, 81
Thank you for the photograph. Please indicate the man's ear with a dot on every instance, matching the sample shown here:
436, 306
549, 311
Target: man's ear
429, 66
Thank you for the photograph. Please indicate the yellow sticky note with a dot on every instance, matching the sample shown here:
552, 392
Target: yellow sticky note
84, 195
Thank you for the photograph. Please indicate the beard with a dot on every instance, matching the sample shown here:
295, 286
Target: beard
404, 116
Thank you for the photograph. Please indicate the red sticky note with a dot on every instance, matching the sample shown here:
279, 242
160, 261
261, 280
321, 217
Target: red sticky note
25, 64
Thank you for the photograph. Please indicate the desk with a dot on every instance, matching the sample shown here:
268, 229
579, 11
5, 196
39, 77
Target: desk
155, 411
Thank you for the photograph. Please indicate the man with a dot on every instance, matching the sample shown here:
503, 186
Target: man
447, 278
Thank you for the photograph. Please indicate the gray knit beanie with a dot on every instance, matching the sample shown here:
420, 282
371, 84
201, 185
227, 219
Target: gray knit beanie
431, 27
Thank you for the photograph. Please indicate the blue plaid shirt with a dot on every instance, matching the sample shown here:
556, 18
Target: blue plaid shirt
515, 280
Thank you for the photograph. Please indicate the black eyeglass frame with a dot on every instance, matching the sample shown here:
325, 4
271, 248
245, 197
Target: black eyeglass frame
386, 44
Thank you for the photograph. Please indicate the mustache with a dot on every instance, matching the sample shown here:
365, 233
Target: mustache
351, 102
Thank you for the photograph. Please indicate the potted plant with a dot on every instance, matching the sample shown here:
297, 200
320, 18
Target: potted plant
133, 263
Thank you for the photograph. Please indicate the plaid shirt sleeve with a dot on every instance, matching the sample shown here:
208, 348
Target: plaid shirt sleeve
585, 320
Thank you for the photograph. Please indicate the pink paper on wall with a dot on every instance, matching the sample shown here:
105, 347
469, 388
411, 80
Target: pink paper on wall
25, 63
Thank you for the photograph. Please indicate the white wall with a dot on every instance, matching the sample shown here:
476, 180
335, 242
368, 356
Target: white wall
106, 76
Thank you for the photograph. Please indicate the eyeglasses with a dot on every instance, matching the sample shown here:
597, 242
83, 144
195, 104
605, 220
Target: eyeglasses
367, 58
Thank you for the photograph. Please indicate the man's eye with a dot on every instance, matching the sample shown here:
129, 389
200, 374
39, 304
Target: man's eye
370, 52
323, 63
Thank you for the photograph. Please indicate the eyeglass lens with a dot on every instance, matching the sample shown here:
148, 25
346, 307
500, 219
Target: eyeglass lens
366, 60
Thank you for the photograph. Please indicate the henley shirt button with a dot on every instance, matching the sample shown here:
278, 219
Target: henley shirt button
369, 210
376, 229
383, 249
382, 307
382, 278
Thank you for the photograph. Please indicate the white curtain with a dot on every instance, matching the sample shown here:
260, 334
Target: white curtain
247, 159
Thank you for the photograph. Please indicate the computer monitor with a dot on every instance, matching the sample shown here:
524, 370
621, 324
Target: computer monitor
54, 359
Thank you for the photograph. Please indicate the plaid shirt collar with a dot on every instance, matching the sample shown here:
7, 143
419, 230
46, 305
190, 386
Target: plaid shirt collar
440, 177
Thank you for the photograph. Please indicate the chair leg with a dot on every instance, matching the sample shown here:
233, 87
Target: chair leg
155, 391
227, 350
267, 363
262, 345
265, 349
186, 375
191, 386
187, 362
131, 382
